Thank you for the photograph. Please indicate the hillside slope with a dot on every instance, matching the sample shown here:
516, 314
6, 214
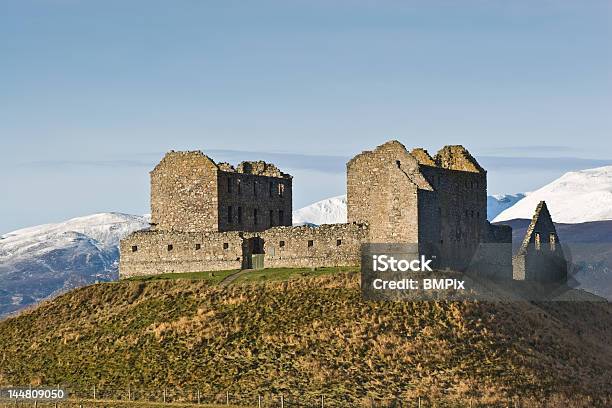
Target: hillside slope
305, 337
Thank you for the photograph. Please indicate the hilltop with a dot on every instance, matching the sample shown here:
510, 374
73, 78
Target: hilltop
306, 336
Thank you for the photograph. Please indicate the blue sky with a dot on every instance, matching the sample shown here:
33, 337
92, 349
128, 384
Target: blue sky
92, 93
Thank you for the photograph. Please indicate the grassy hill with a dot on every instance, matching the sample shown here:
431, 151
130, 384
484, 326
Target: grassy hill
307, 336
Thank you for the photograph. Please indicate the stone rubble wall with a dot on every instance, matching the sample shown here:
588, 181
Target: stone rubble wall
152, 256
184, 193
247, 198
148, 253
332, 245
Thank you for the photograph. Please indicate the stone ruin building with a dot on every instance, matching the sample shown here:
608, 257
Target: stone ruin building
211, 216
540, 257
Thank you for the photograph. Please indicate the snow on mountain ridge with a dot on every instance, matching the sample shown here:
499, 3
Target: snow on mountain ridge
497, 203
37, 262
333, 210
106, 228
329, 211
575, 197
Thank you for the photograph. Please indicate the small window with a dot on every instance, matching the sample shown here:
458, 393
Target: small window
281, 244
281, 189
229, 184
255, 219
239, 186
239, 215
134, 248
310, 242
338, 242
225, 245
478, 214
198, 247
472, 214
271, 215
553, 242
230, 214
170, 247
398, 163
281, 217
537, 241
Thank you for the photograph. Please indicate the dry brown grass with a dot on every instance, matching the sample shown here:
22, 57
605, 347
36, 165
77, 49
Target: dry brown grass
312, 336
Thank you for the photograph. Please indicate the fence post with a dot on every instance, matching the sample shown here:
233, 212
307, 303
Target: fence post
94, 392
226, 397
282, 402
322, 402
419, 402
259, 401
164, 395
129, 394
198, 397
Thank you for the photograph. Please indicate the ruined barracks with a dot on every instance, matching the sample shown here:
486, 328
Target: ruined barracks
213, 216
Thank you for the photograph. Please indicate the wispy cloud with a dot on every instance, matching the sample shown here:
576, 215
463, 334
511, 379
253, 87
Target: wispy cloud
324, 163
70, 164
537, 149
562, 164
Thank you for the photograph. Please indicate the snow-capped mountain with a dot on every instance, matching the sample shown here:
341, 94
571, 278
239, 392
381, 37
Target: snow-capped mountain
328, 211
575, 197
333, 210
39, 261
499, 202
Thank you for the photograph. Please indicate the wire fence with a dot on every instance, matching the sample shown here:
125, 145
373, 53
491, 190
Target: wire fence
108, 396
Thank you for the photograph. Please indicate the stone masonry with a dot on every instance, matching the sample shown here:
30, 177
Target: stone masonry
191, 193
540, 257
213, 216
438, 202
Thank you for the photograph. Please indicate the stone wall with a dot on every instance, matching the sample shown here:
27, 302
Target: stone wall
254, 200
184, 193
438, 202
493, 258
462, 212
304, 246
540, 257
215, 216
190, 192
382, 190
156, 252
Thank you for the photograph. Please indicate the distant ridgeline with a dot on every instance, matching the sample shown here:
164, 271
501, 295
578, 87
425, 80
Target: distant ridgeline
212, 216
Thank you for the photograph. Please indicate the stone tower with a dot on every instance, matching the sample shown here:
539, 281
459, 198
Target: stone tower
436, 202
